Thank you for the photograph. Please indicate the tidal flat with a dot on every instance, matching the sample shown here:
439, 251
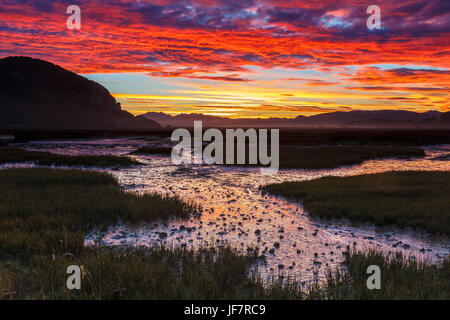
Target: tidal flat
283, 248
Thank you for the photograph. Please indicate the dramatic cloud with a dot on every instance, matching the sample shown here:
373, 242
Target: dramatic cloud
376, 76
249, 45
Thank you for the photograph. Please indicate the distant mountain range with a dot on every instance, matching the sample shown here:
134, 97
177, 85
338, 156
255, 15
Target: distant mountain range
35, 94
381, 118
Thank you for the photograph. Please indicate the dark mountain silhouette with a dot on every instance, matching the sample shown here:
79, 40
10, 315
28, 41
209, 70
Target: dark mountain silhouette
445, 117
187, 119
35, 94
381, 118
377, 116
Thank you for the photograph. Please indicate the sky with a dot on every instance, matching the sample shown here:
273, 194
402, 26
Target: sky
244, 58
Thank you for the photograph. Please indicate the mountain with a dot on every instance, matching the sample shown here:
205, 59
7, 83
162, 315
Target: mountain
35, 94
40, 95
377, 118
445, 117
187, 120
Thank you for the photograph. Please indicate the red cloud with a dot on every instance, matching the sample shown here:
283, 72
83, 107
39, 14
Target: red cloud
149, 36
221, 40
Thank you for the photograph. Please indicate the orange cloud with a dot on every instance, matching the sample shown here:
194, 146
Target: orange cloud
223, 42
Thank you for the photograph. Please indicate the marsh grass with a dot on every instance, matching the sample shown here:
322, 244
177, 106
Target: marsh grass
323, 157
402, 277
143, 273
17, 155
417, 199
45, 214
327, 157
41, 207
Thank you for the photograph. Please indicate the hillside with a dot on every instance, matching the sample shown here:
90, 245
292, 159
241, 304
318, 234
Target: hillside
35, 94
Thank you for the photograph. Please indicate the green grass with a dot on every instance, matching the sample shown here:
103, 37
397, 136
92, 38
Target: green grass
401, 278
414, 199
140, 274
328, 157
39, 207
324, 157
45, 214
17, 155
332, 157
153, 150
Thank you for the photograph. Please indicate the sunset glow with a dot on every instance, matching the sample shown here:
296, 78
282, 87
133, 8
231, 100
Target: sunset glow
248, 58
